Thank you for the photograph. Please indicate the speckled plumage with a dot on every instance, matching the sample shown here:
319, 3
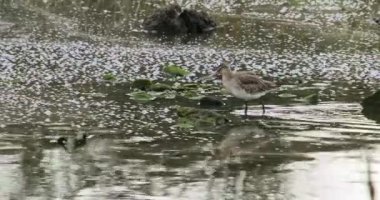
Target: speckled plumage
245, 84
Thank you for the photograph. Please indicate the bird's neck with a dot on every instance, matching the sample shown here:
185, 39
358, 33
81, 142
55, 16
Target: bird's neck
227, 74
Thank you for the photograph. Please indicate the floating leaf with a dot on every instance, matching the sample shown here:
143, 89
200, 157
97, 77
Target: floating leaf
200, 117
109, 76
185, 111
184, 123
192, 95
160, 87
175, 70
142, 96
169, 95
190, 86
142, 84
209, 86
209, 117
155, 94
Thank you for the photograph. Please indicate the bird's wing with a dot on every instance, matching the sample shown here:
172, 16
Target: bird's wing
252, 83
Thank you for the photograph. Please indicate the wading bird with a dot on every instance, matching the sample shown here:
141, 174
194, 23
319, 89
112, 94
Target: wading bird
244, 85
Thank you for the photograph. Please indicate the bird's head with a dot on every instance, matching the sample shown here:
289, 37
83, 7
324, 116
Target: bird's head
223, 68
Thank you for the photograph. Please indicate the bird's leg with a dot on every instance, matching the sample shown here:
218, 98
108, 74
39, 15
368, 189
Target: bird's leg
262, 105
246, 108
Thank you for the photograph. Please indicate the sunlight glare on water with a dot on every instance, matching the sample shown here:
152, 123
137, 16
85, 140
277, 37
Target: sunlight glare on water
67, 69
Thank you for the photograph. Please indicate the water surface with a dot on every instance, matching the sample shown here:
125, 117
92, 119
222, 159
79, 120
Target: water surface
53, 57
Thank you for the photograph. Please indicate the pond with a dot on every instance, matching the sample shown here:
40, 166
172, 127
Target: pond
67, 68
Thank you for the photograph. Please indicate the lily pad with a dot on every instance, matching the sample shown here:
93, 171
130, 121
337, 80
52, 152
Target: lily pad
142, 84
168, 94
193, 95
142, 96
199, 117
175, 70
190, 86
185, 111
184, 124
160, 87
109, 76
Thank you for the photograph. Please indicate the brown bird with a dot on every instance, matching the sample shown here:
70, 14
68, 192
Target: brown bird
244, 85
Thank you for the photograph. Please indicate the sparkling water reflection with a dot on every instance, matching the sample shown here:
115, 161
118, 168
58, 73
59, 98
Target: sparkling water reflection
53, 57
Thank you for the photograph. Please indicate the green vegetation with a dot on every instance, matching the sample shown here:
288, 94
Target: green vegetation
109, 76
175, 70
193, 117
142, 96
145, 90
160, 87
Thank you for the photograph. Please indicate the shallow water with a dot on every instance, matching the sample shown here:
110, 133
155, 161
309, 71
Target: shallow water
54, 54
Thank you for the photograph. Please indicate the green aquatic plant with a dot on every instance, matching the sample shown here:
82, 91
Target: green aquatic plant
193, 95
142, 96
185, 111
295, 2
145, 96
166, 91
169, 94
175, 70
184, 123
160, 87
109, 76
190, 86
193, 117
